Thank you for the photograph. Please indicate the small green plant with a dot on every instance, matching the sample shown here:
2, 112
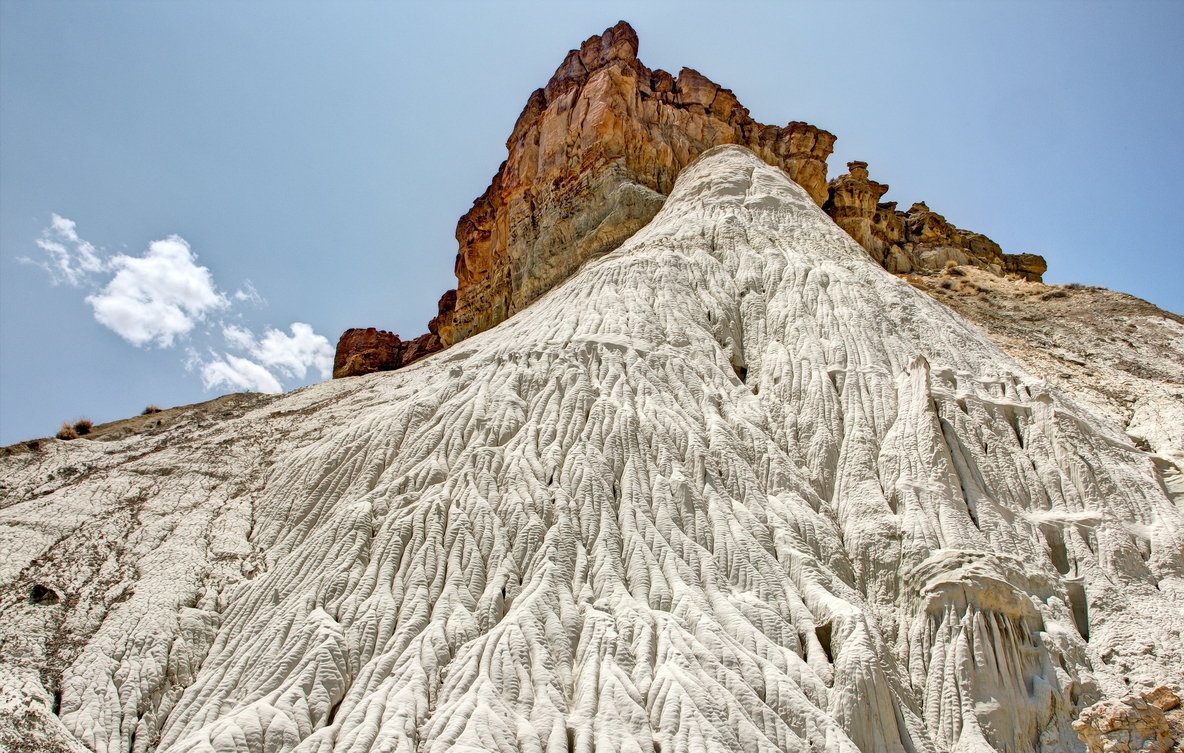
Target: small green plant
67, 431
83, 426
150, 410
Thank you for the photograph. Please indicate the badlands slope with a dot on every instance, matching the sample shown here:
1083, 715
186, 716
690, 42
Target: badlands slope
731, 487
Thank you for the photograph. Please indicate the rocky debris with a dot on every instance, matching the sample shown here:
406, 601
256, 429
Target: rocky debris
1134, 724
590, 161
916, 240
364, 351
1162, 698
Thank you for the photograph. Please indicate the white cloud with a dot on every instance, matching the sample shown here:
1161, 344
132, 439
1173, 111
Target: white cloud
239, 338
239, 373
293, 355
158, 296
161, 296
250, 295
71, 259
276, 355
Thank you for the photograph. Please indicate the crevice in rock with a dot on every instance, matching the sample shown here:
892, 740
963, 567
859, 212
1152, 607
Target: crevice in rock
333, 713
823, 634
1080, 609
43, 595
1056, 546
1014, 422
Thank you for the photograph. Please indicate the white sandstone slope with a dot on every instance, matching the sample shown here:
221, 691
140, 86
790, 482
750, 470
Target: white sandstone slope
731, 487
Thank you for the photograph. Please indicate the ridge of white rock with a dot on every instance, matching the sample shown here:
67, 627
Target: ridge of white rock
731, 487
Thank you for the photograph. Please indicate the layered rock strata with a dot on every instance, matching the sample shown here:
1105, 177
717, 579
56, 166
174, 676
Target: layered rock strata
590, 160
730, 487
916, 240
593, 156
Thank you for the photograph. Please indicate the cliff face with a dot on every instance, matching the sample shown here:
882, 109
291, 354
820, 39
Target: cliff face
919, 239
591, 160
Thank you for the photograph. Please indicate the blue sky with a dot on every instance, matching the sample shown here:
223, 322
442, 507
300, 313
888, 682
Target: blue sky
250, 179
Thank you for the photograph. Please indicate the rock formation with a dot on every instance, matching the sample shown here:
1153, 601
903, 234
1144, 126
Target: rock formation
1135, 724
1119, 356
916, 240
364, 351
729, 487
593, 156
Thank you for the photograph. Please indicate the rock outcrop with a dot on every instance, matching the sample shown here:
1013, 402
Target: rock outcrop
364, 351
593, 155
916, 240
591, 158
1135, 724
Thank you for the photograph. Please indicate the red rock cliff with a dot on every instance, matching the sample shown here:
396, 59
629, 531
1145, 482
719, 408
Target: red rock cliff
590, 162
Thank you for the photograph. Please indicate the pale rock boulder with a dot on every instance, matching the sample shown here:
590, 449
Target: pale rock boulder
1135, 724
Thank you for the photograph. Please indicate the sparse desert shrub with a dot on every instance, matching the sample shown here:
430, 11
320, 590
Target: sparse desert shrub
1074, 286
946, 284
83, 426
150, 410
67, 431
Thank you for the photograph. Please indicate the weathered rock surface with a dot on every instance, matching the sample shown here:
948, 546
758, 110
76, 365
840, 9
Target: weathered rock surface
1135, 724
364, 351
729, 487
1120, 356
594, 154
916, 240
590, 161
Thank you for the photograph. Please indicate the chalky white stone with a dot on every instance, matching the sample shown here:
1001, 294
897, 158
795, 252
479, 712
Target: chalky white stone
732, 487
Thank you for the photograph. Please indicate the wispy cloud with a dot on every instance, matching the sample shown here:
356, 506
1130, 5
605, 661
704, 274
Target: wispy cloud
71, 259
248, 294
160, 297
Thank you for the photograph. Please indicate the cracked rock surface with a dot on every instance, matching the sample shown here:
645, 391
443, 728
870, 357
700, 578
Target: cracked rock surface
732, 486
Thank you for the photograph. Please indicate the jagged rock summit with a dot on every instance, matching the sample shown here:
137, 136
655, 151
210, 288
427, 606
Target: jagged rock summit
590, 162
731, 486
